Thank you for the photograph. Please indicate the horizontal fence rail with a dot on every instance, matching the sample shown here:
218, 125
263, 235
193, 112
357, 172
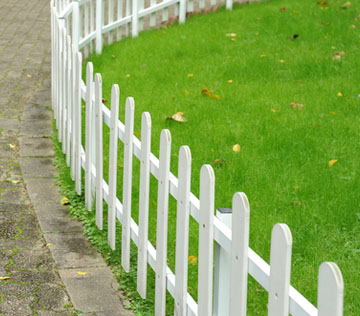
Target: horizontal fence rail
222, 294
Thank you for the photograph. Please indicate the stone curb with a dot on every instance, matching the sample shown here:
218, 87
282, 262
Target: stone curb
95, 291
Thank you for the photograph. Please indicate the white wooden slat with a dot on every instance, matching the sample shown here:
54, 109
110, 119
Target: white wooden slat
88, 131
135, 19
165, 14
52, 54
229, 4
153, 15
81, 24
115, 95
141, 4
127, 183
206, 240
73, 121
119, 16
69, 101
190, 6
77, 117
280, 266
75, 25
92, 24
110, 20
162, 222
239, 254
144, 203
182, 231
182, 11
57, 72
86, 26
99, 25
65, 96
330, 290
201, 4
99, 151
127, 10
62, 81
213, 2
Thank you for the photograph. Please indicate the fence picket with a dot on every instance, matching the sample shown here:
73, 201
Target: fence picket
239, 255
190, 7
152, 15
99, 24
99, 151
115, 94
229, 4
65, 96
182, 231
165, 14
69, 101
127, 183
62, 81
280, 266
78, 120
144, 203
127, 12
73, 109
135, 19
76, 24
162, 222
182, 11
92, 24
330, 290
206, 240
119, 16
141, 20
110, 20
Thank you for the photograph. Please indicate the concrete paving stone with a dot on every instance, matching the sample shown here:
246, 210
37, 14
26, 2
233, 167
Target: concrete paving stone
122, 312
37, 167
35, 277
8, 229
36, 128
13, 207
73, 251
59, 224
17, 196
43, 191
12, 124
12, 288
33, 260
36, 146
86, 290
15, 305
51, 296
37, 112
54, 313
32, 245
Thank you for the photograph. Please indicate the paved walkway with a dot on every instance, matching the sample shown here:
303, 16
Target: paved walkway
41, 250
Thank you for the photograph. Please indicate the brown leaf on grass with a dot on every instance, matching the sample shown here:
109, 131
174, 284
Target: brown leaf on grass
346, 4
295, 105
208, 93
178, 117
186, 92
332, 162
104, 100
325, 23
298, 203
283, 9
338, 55
231, 34
137, 134
219, 162
65, 201
322, 3
295, 36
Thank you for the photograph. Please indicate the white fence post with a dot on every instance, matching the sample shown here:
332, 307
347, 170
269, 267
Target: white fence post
76, 24
61, 78
99, 25
229, 4
144, 203
119, 16
330, 290
110, 20
127, 183
206, 240
88, 131
182, 231
135, 19
69, 101
72, 114
162, 222
182, 11
152, 15
222, 269
77, 118
99, 151
239, 255
280, 266
66, 92
115, 94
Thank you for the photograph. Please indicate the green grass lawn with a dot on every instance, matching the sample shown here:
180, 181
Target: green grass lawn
284, 52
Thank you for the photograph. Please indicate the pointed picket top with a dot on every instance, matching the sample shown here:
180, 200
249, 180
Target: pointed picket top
239, 254
330, 290
280, 267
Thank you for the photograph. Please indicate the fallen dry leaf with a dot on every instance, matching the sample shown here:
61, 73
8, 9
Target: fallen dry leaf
295, 105
332, 162
207, 92
332, 113
186, 92
12, 146
137, 134
82, 273
29, 76
326, 37
104, 100
274, 111
190, 75
353, 26
282, 61
15, 181
4, 278
236, 148
322, 3
113, 56
65, 201
193, 260
339, 94
263, 55
346, 4
49, 245
178, 117
229, 81
296, 187
219, 161
283, 9
231, 34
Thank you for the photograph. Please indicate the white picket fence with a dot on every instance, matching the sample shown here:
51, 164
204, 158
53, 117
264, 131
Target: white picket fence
234, 260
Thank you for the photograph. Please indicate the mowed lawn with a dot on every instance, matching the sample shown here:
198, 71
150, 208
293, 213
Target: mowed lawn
286, 80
